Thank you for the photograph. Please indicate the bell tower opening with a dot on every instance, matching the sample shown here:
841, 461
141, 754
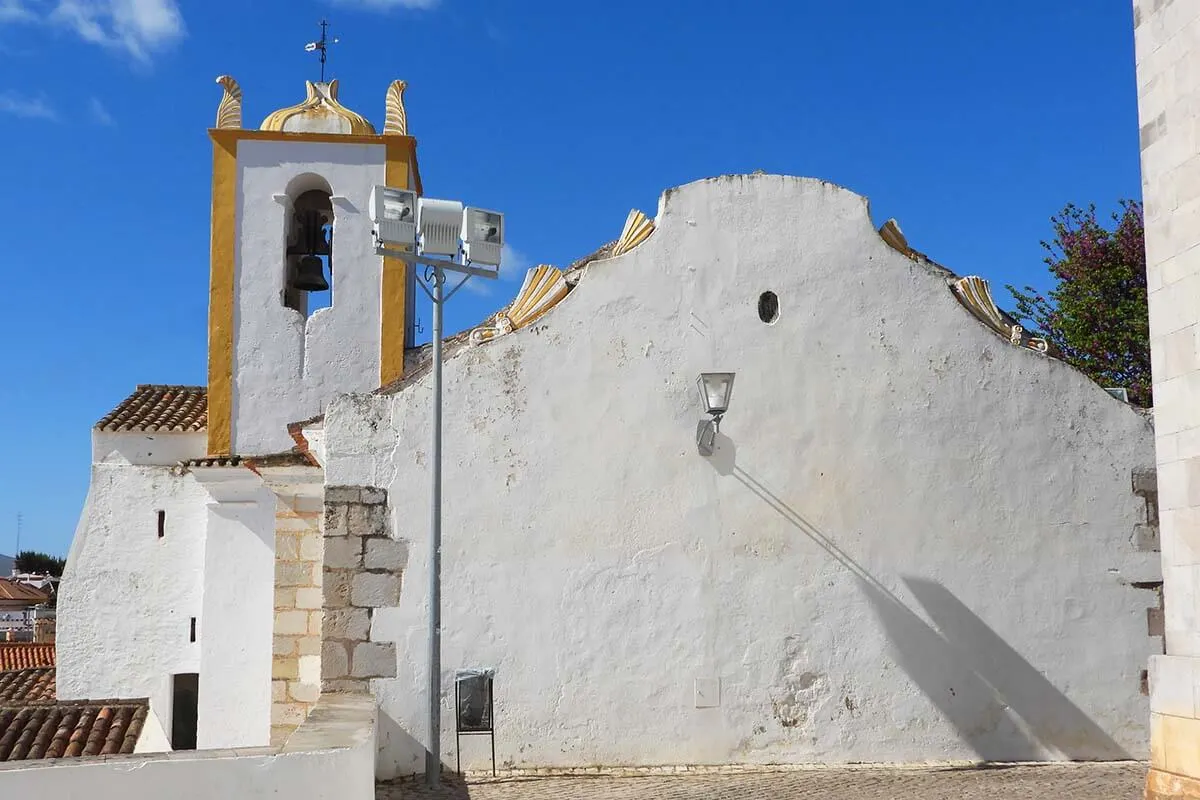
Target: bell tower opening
308, 264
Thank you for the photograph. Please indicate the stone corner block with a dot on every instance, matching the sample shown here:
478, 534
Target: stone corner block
374, 660
347, 623
346, 686
373, 496
344, 552
386, 553
1145, 539
1145, 480
335, 660
375, 590
336, 586
343, 494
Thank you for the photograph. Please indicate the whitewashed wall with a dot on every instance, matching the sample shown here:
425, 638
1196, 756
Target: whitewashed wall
913, 543
286, 367
127, 596
239, 611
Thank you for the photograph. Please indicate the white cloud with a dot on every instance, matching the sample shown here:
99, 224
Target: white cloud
513, 265
19, 105
388, 5
100, 114
16, 11
137, 27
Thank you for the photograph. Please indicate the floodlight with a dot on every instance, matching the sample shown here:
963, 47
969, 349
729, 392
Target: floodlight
394, 213
439, 223
482, 236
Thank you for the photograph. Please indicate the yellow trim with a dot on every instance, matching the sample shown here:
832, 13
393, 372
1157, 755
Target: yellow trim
394, 289
395, 144
220, 296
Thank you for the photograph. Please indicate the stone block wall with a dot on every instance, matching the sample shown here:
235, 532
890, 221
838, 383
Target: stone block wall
296, 654
364, 569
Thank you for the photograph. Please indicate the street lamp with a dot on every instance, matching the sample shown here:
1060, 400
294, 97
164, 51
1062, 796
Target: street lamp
716, 388
467, 241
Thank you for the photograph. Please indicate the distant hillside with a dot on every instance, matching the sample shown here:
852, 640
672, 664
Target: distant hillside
6, 566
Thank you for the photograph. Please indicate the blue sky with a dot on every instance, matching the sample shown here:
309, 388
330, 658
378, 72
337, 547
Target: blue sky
972, 123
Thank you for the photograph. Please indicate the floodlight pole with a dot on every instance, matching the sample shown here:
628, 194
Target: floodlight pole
435, 277
433, 757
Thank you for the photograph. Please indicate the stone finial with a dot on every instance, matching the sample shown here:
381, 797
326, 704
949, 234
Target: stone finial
229, 112
396, 122
638, 228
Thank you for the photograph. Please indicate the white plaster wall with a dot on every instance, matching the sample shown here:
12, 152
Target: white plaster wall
236, 627
154, 738
147, 449
287, 368
913, 543
127, 596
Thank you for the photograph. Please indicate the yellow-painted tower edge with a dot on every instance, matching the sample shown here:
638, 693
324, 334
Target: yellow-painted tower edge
401, 169
220, 293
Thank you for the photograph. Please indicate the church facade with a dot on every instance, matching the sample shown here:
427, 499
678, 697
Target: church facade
918, 536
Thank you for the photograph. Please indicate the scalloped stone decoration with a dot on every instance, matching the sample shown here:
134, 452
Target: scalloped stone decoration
638, 228
544, 286
319, 113
894, 237
974, 293
229, 112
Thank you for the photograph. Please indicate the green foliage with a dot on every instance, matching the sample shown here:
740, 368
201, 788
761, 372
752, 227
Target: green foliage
40, 563
1095, 318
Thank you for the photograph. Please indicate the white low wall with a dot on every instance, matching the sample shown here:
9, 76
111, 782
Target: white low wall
331, 757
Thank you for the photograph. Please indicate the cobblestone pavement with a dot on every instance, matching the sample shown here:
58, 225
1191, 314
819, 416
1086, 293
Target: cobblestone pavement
1024, 782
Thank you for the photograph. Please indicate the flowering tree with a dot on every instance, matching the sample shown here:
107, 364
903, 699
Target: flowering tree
1095, 318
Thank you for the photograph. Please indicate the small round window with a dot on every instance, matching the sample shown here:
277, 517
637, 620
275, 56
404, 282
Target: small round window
768, 307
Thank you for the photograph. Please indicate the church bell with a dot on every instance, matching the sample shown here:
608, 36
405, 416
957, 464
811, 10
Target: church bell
310, 275
312, 241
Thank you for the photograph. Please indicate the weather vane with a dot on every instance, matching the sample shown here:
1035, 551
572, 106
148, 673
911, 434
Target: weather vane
321, 46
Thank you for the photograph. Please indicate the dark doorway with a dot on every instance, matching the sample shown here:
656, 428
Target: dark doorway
185, 705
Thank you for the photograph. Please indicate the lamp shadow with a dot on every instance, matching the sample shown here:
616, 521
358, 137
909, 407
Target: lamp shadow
1000, 705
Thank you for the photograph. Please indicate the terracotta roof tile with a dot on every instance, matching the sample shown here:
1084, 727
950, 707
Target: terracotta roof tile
11, 590
25, 686
25, 655
66, 730
173, 409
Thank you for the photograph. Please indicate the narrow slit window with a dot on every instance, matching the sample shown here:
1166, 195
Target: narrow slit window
162, 524
192, 632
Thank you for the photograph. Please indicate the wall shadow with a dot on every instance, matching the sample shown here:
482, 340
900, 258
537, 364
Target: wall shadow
1056, 722
1000, 705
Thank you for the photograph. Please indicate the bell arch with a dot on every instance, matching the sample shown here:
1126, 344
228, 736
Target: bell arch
308, 256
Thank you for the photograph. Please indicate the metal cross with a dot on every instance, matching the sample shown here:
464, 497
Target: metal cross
321, 46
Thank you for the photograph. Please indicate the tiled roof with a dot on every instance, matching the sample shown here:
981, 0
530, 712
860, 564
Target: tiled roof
64, 730
24, 686
11, 590
25, 655
174, 409
213, 461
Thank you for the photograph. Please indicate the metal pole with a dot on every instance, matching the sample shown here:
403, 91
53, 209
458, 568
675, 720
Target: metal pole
433, 759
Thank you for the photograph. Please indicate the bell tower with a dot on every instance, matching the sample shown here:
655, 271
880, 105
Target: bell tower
301, 308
